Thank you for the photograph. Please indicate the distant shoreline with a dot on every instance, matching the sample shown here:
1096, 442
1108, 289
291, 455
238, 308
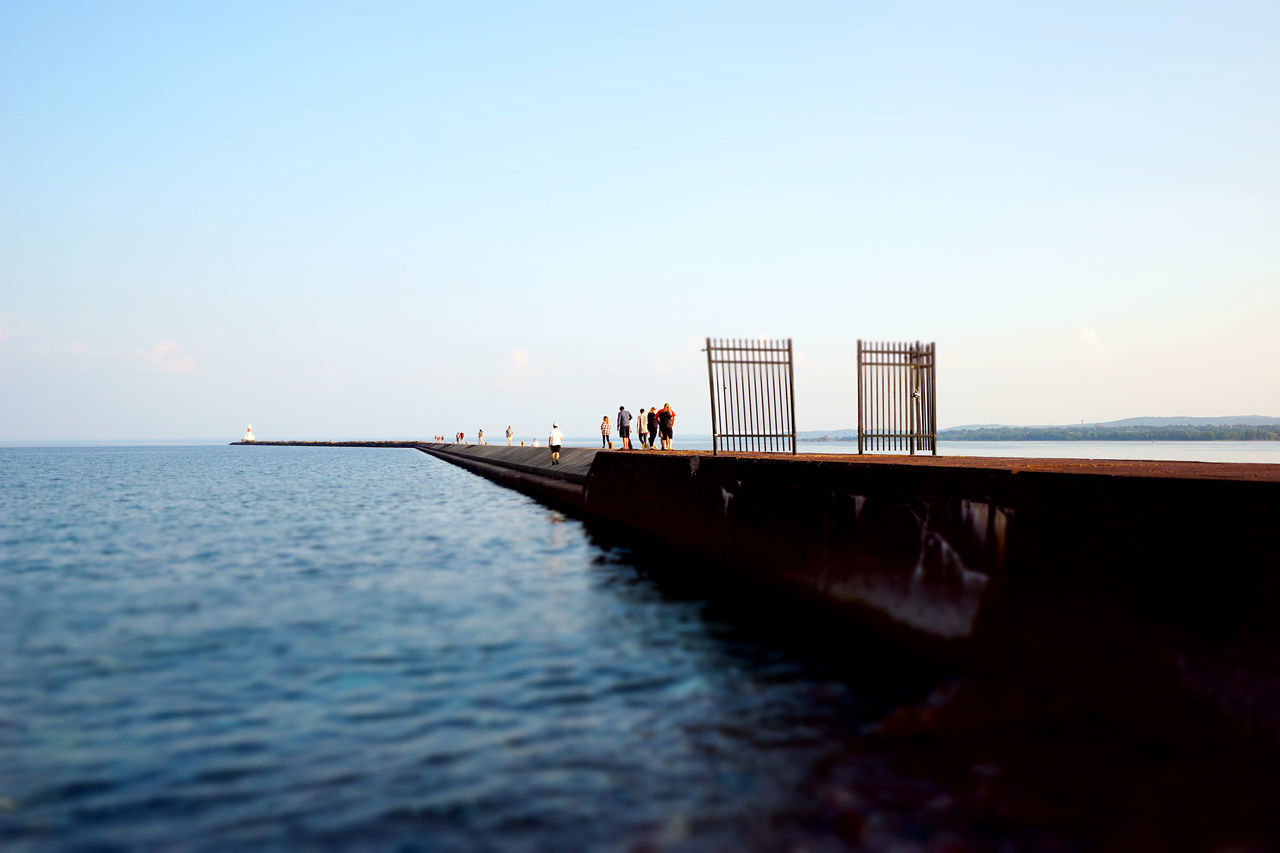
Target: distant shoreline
1099, 433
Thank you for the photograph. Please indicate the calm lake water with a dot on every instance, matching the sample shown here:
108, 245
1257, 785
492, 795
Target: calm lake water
259, 648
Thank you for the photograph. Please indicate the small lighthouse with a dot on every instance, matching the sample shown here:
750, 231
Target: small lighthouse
248, 434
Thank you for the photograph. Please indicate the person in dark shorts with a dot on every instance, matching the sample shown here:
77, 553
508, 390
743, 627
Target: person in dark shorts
624, 427
554, 441
666, 425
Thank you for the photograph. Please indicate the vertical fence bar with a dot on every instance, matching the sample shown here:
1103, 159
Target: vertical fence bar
895, 397
921, 373
711, 384
726, 395
755, 393
875, 404
873, 381
888, 398
727, 368
917, 397
741, 412
924, 398
909, 419
933, 399
884, 400
859, 396
880, 404
748, 368
911, 397
766, 398
737, 394
791, 388
779, 399
900, 397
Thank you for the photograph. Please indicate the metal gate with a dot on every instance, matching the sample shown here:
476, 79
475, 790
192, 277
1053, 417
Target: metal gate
896, 397
753, 398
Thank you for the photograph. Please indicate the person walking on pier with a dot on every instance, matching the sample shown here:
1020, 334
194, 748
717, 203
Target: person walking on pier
510, 433
666, 425
624, 427
605, 431
554, 441
480, 436
651, 421
640, 430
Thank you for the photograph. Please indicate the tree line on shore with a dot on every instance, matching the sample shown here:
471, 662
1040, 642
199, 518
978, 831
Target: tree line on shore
1191, 432
1220, 432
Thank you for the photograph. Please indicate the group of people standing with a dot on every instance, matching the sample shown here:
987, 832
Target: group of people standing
461, 438
653, 428
649, 427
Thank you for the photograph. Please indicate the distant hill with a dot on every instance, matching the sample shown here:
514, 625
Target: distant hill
1229, 420
1237, 420
1228, 428
827, 434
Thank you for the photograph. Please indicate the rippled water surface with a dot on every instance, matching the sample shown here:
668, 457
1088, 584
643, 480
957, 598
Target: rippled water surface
228, 647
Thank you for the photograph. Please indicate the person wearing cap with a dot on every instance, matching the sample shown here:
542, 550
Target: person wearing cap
554, 441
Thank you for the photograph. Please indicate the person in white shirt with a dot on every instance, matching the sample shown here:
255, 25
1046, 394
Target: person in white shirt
554, 441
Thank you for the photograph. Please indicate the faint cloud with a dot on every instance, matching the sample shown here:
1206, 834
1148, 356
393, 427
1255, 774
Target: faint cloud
693, 352
81, 348
517, 368
168, 357
1092, 351
8, 325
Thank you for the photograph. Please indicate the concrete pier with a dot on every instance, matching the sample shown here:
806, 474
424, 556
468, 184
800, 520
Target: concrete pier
1147, 587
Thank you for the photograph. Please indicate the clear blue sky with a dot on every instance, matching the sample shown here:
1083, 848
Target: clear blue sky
381, 220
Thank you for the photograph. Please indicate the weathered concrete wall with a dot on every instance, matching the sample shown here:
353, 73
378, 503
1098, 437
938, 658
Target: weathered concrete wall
1123, 587
1152, 588
917, 553
1149, 588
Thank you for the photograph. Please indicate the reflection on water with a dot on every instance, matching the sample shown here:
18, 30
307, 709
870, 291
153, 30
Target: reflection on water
237, 647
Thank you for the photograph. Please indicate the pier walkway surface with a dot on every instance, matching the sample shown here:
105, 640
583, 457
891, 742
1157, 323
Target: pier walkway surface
539, 457
1149, 587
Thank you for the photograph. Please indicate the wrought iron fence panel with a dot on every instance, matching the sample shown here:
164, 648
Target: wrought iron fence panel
753, 400
897, 394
